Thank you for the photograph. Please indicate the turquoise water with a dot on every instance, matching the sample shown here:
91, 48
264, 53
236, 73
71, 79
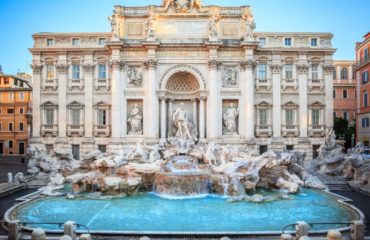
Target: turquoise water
148, 212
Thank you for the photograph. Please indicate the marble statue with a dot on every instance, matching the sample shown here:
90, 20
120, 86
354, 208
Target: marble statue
150, 28
135, 78
196, 4
135, 121
213, 28
180, 121
230, 119
250, 26
230, 77
114, 22
167, 3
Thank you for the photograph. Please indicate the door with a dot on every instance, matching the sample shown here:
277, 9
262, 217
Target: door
1, 148
76, 152
21, 148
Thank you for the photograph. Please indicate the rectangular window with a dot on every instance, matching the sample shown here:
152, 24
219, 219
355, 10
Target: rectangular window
0, 126
263, 149
334, 114
10, 143
75, 71
334, 93
10, 127
6, 81
365, 122
345, 115
49, 42
102, 71
49, 115
262, 42
102, 41
288, 42
102, 120
314, 42
262, 71
49, 72
289, 117
365, 77
102, 148
21, 127
1, 96
21, 110
335, 74
21, 96
366, 101
345, 94
263, 117
315, 117
290, 147
75, 41
76, 152
315, 71
10, 110
11, 96
289, 71
366, 54
75, 116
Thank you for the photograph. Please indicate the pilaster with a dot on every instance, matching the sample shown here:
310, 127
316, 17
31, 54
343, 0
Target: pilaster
151, 119
213, 100
36, 120
302, 70
328, 78
247, 105
89, 99
62, 70
276, 100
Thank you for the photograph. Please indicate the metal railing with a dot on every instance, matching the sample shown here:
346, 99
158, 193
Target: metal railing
312, 224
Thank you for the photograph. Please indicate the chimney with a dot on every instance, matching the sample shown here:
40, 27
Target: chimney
1, 70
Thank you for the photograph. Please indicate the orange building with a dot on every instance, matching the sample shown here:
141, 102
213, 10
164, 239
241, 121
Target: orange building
344, 90
363, 90
15, 114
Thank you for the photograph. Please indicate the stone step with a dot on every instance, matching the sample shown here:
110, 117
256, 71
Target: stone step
338, 187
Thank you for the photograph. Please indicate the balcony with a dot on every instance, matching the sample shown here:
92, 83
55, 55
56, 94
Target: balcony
101, 130
291, 84
102, 83
290, 131
76, 84
49, 130
263, 84
316, 130
316, 84
73, 130
263, 130
360, 63
49, 84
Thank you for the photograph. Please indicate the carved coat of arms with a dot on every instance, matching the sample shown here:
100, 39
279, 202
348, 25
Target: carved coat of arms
182, 5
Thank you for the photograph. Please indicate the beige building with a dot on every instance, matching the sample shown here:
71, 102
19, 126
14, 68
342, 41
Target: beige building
271, 90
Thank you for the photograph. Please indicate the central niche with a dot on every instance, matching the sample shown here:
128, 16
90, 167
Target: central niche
182, 82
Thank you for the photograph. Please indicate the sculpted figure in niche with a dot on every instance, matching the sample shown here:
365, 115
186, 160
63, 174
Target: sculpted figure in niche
250, 26
230, 77
115, 27
135, 78
150, 28
135, 121
230, 118
180, 120
213, 28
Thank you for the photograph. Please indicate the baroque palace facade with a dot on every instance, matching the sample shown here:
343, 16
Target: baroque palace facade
271, 90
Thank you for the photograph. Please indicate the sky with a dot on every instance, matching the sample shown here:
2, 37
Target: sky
348, 20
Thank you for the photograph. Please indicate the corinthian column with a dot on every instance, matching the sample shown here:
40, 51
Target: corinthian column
302, 70
36, 123
89, 81
247, 104
151, 121
62, 98
276, 100
213, 100
328, 78
117, 98
163, 119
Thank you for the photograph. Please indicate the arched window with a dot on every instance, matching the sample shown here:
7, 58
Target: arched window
344, 74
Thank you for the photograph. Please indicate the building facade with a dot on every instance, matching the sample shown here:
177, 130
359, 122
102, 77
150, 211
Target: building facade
363, 90
345, 90
15, 115
270, 90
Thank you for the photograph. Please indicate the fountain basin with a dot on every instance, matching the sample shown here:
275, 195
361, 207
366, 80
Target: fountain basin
148, 213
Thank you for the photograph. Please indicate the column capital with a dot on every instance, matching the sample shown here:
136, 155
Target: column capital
214, 64
302, 68
328, 68
276, 68
62, 68
247, 64
36, 68
88, 68
118, 64
151, 64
